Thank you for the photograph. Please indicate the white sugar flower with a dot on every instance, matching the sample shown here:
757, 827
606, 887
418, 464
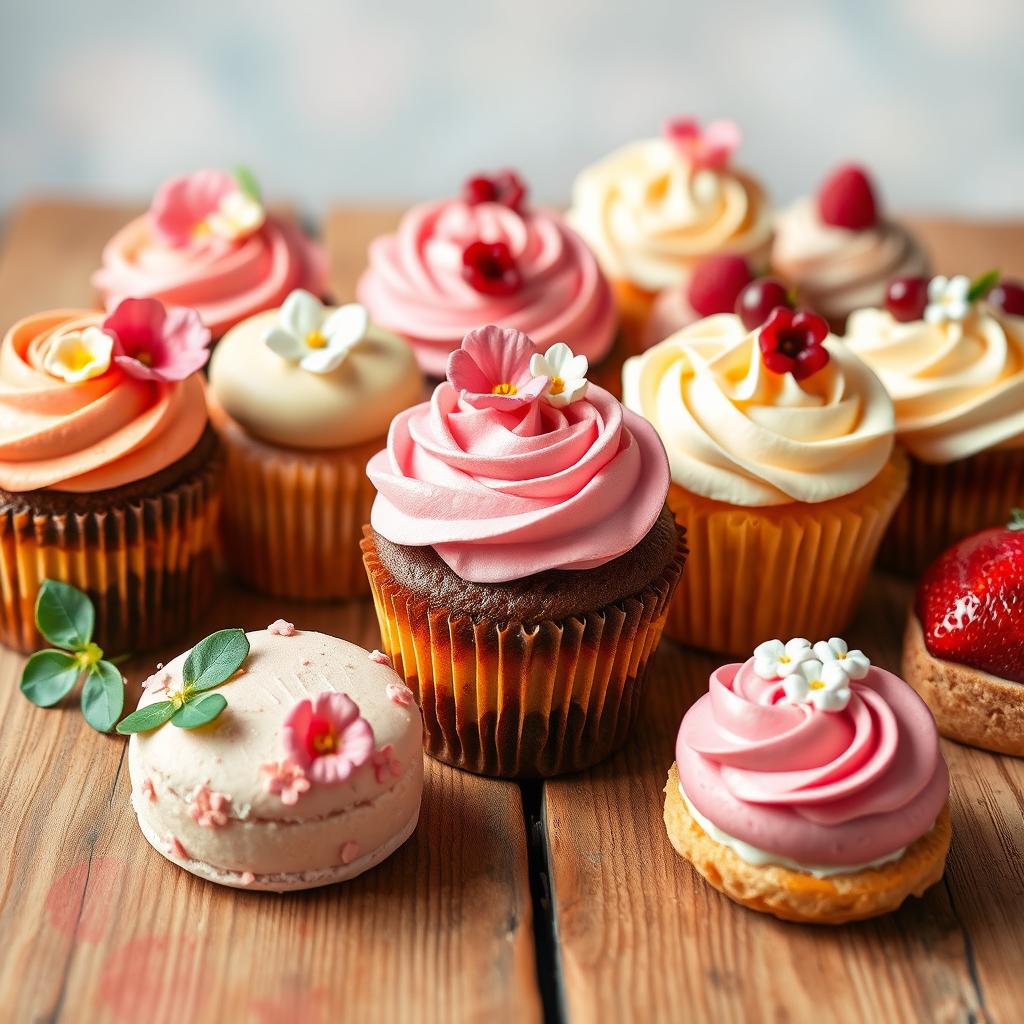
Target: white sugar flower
79, 355
314, 336
774, 659
826, 686
854, 663
948, 299
566, 373
237, 216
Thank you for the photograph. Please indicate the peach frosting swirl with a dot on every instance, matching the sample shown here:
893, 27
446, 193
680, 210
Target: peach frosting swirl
739, 433
958, 385
89, 436
414, 285
814, 786
224, 280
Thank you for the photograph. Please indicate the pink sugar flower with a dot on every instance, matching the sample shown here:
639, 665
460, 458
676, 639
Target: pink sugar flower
287, 779
385, 763
195, 206
329, 739
209, 809
399, 693
152, 342
492, 370
280, 627
710, 148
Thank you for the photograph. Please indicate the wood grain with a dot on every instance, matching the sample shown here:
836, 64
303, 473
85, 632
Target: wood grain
98, 927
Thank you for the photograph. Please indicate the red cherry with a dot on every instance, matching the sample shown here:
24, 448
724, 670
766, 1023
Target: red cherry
490, 268
847, 199
792, 343
906, 298
717, 282
755, 302
1008, 296
505, 187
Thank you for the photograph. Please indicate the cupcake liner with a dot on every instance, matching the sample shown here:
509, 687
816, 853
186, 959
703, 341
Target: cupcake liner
147, 564
293, 519
635, 306
946, 503
781, 571
520, 700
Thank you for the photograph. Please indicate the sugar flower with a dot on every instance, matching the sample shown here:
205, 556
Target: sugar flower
153, 342
793, 342
709, 148
312, 335
504, 187
825, 685
192, 207
566, 373
854, 663
76, 356
286, 779
948, 298
774, 659
492, 370
328, 739
209, 809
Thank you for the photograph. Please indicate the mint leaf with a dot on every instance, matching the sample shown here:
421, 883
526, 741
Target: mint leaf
64, 615
103, 696
200, 711
48, 676
215, 659
248, 184
150, 717
981, 286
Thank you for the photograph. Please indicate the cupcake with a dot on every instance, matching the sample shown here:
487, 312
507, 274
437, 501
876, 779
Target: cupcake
964, 646
809, 784
521, 558
207, 242
839, 251
301, 398
951, 355
784, 473
487, 256
310, 772
109, 471
654, 209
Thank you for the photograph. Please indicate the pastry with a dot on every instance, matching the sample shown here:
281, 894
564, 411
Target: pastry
809, 784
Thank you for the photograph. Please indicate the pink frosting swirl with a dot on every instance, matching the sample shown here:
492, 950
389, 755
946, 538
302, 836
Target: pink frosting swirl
501, 495
414, 285
814, 786
225, 280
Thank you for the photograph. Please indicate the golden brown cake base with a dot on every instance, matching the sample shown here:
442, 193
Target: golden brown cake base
795, 895
969, 705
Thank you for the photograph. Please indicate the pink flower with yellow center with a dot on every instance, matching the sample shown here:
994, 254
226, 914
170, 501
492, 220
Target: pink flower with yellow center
152, 342
492, 370
328, 739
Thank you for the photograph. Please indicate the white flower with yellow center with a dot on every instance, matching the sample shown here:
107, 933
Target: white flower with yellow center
948, 299
775, 660
315, 336
854, 663
79, 355
566, 373
825, 685
238, 216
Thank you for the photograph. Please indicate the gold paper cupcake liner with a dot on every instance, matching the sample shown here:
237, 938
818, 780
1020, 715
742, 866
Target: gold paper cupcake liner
635, 306
519, 700
946, 503
147, 564
293, 519
780, 571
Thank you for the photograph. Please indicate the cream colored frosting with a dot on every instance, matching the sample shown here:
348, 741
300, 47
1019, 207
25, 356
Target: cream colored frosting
736, 432
650, 215
280, 402
958, 386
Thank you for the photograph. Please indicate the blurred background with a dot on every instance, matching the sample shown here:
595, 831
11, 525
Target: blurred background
342, 100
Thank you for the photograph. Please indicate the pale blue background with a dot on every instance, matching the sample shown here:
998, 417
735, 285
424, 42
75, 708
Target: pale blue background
399, 100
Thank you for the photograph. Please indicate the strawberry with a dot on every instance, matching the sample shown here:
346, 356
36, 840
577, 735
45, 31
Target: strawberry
971, 602
847, 199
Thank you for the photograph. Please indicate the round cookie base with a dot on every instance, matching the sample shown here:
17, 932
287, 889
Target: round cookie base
796, 895
970, 705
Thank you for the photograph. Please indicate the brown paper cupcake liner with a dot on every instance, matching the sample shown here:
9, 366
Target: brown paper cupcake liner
520, 700
946, 503
777, 572
146, 563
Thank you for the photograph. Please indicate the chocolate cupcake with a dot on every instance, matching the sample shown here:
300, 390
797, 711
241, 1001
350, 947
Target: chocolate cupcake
521, 559
108, 471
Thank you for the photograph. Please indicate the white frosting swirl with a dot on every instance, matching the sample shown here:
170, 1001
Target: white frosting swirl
738, 433
958, 386
650, 215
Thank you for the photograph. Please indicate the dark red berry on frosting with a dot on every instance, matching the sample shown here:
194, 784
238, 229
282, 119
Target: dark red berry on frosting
847, 199
792, 343
505, 187
757, 300
906, 298
716, 284
490, 268
1008, 296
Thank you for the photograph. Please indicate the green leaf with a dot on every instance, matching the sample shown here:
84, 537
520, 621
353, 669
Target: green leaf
64, 615
215, 659
981, 286
1016, 519
200, 711
152, 716
248, 184
103, 696
48, 676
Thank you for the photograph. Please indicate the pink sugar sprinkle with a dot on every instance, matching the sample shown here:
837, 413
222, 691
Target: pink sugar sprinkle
281, 627
148, 790
247, 878
400, 694
176, 848
349, 852
381, 658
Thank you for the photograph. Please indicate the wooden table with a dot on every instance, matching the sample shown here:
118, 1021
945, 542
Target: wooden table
518, 903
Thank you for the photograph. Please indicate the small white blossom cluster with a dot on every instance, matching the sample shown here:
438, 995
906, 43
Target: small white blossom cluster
819, 675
